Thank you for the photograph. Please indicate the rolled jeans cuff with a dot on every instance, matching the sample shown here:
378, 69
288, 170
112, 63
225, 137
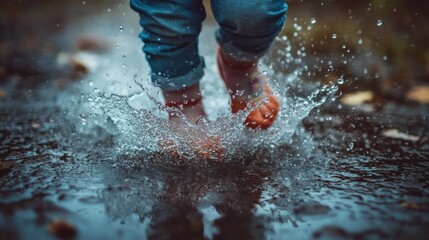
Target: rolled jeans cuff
180, 82
238, 54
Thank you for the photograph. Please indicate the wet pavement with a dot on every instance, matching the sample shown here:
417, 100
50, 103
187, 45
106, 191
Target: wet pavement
79, 159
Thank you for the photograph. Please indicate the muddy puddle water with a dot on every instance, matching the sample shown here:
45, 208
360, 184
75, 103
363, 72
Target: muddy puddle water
84, 161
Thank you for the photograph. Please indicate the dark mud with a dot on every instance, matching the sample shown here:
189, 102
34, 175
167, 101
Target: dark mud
62, 175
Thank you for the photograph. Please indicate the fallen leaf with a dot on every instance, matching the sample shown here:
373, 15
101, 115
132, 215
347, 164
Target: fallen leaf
410, 205
62, 229
36, 125
5, 165
3, 94
357, 98
92, 44
84, 62
419, 94
394, 133
3, 71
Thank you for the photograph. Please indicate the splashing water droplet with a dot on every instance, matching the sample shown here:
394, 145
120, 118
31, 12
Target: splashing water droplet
350, 146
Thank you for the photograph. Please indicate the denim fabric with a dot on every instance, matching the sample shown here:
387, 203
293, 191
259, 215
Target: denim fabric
171, 29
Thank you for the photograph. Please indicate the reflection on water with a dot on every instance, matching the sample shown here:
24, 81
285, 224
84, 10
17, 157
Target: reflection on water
90, 154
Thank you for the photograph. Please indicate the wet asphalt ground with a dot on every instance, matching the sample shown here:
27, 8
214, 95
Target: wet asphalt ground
356, 169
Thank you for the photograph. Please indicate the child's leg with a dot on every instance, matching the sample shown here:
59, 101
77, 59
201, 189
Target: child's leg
247, 30
170, 35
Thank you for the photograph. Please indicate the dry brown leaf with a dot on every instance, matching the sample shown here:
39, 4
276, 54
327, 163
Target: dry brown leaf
395, 133
357, 98
62, 229
3, 71
92, 44
3, 94
410, 205
5, 165
84, 62
419, 94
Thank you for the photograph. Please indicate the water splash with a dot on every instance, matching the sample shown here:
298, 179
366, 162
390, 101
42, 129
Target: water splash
131, 110
143, 132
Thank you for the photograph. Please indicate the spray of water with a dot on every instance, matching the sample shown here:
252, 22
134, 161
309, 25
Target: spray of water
132, 110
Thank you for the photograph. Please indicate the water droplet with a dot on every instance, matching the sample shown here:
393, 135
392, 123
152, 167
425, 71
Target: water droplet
360, 41
350, 146
379, 22
121, 28
83, 2
313, 21
123, 65
117, 46
124, 56
334, 36
340, 80
109, 10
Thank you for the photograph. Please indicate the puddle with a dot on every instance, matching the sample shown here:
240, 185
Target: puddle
87, 151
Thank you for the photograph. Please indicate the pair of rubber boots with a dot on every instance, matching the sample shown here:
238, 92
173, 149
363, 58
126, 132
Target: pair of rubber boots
248, 89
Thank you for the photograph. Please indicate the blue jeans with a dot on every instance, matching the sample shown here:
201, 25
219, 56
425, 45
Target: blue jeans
171, 29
